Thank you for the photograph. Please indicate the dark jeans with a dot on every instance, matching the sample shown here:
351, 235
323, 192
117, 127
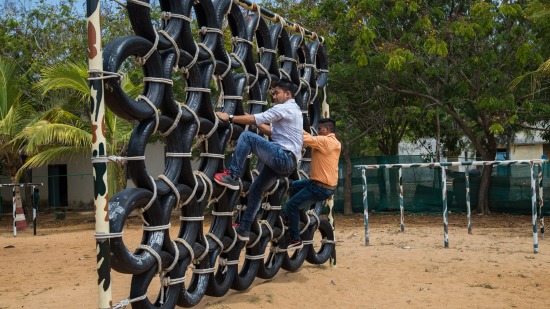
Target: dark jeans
277, 163
302, 193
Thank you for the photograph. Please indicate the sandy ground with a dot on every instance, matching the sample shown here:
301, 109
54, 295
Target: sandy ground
495, 267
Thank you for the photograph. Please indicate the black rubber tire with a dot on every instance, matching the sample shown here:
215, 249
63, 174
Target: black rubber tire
272, 263
120, 207
323, 253
114, 54
322, 64
265, 40
191, 294
221, 281
142, 24
247, 272
294, 259
206, 17
288, 48
169, 106
240, 29
141, 282
139, 141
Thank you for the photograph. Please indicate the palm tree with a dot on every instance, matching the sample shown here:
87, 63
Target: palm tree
64, 132
15, 113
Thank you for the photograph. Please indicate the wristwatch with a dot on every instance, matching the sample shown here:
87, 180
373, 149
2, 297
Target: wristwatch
231, 118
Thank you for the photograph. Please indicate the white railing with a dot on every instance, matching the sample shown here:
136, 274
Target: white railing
443, 166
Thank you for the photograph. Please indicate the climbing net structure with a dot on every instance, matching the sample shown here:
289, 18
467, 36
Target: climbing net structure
217, 55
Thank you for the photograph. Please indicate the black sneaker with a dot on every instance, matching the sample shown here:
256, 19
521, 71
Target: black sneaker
291, 244
295, 244
242, 235
285, 220
225, 179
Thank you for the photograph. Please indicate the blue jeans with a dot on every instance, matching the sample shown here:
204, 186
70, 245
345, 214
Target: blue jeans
276, 161
302, 193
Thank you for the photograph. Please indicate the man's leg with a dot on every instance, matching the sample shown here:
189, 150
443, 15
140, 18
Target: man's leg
298, 185
308, 195
265, 180
298, 200
272, 155
295, 187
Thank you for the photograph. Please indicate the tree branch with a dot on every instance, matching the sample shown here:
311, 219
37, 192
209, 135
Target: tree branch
449, 110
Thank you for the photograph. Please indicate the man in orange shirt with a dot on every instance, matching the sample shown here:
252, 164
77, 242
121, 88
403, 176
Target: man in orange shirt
325, 152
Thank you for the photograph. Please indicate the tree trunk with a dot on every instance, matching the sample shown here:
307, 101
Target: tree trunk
483, 195
394, 183
384, 204
348, 206
27, 207
437, 138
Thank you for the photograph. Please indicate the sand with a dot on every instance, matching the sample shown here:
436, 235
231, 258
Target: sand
494, 267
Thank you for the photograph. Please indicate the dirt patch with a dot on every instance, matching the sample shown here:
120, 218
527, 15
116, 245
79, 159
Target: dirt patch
495, 267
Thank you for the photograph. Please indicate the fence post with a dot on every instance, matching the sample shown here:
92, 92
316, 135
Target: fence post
14, 212
34, 208
541, 202
445, 210
365, 206
401, 206
468, 207
534, 208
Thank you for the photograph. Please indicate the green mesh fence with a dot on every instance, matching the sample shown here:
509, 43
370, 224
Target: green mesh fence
510, 190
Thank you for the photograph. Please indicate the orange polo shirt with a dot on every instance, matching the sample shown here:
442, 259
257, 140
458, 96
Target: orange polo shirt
325, 152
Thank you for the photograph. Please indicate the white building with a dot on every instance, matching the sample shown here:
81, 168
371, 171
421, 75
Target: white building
70, 184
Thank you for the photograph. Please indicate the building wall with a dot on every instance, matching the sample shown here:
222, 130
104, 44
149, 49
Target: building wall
526, 151
80, 187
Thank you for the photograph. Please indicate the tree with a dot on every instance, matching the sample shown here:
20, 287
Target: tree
458, 56
63, 131
15, 113
539, 13
39, 34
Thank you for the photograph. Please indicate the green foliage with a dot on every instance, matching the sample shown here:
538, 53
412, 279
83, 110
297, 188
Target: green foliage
511, 10
432, 46
538, 9
15, 113
398, 58
496, 128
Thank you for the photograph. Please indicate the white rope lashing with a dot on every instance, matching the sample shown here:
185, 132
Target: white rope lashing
107, 159
172, 186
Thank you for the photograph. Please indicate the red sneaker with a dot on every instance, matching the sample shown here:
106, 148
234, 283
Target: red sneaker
226, 179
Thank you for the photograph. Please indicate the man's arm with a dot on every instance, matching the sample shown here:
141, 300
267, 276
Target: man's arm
318, 142
246, 120
240, 119
264, 128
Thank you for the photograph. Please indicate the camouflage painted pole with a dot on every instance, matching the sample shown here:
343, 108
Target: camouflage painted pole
401, 208
445, 209
330, 205
541, 203
365, 206
468, 208
534, 208
99, 152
